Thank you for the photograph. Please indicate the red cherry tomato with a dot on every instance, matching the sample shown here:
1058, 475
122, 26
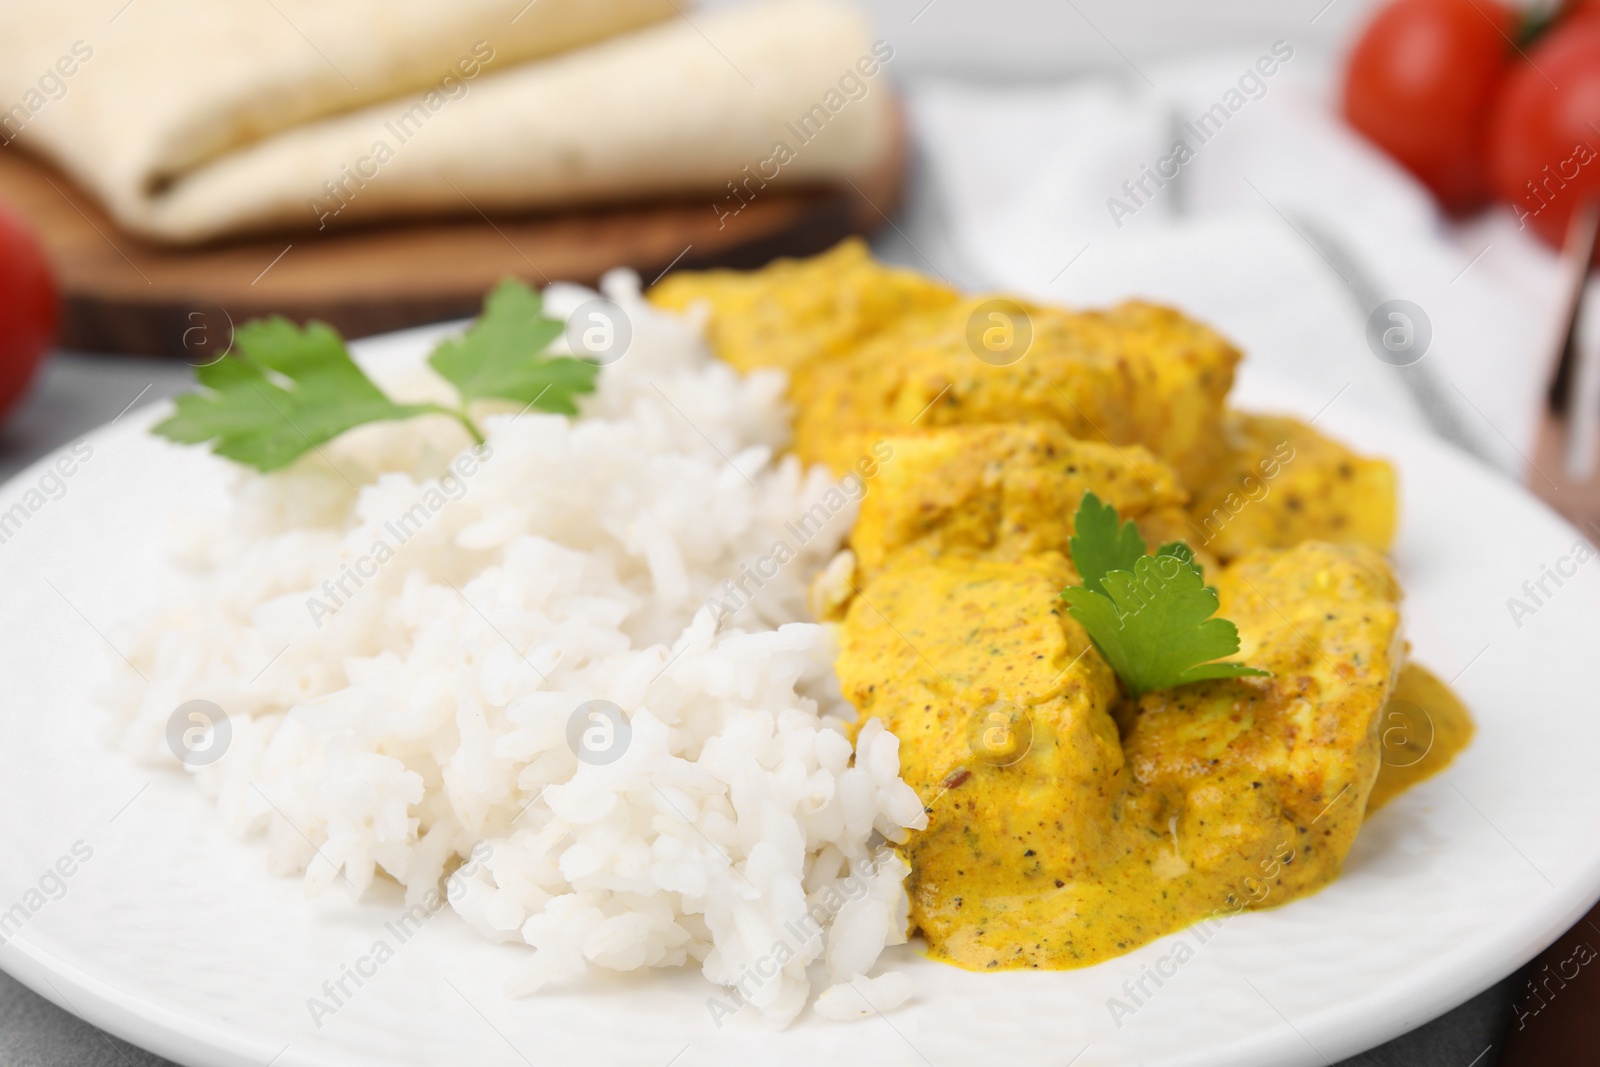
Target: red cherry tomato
1419, 85
28, 308
1544, 146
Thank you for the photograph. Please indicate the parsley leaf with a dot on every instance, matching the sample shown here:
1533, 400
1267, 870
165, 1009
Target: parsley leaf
284, 390
1150, 616
499, 356
1101, 542
281, 392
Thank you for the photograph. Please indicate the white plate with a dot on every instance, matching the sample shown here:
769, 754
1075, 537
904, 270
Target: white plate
175, 937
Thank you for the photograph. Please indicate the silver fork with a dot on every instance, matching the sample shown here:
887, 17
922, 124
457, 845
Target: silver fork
1566, 457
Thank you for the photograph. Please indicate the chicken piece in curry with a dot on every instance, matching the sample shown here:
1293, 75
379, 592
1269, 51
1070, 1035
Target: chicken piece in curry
1069, 818
1282, 483
1134, 374
1004, 491
799, 312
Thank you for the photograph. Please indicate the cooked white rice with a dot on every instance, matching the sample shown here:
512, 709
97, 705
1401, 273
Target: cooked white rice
412, 707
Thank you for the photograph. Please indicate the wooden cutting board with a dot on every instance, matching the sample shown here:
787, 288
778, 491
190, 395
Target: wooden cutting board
124, 294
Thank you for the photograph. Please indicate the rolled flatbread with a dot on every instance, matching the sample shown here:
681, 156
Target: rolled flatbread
132, 95
721, 105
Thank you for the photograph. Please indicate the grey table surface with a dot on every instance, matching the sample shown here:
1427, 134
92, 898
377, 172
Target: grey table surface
77, 392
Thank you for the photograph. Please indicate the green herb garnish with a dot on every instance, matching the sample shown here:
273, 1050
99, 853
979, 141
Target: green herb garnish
492, 359
283, 389
1103, 543
1149, 616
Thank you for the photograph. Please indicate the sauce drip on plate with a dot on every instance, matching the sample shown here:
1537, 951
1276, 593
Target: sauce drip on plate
1423, 729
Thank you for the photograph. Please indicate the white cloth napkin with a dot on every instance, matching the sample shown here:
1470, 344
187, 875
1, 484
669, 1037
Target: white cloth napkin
1284, 230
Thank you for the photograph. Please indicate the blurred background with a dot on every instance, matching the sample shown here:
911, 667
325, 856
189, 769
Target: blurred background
1387, 205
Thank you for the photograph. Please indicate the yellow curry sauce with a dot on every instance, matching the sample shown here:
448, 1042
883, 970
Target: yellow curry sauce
1424, 726
1066, 827
1066, 823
